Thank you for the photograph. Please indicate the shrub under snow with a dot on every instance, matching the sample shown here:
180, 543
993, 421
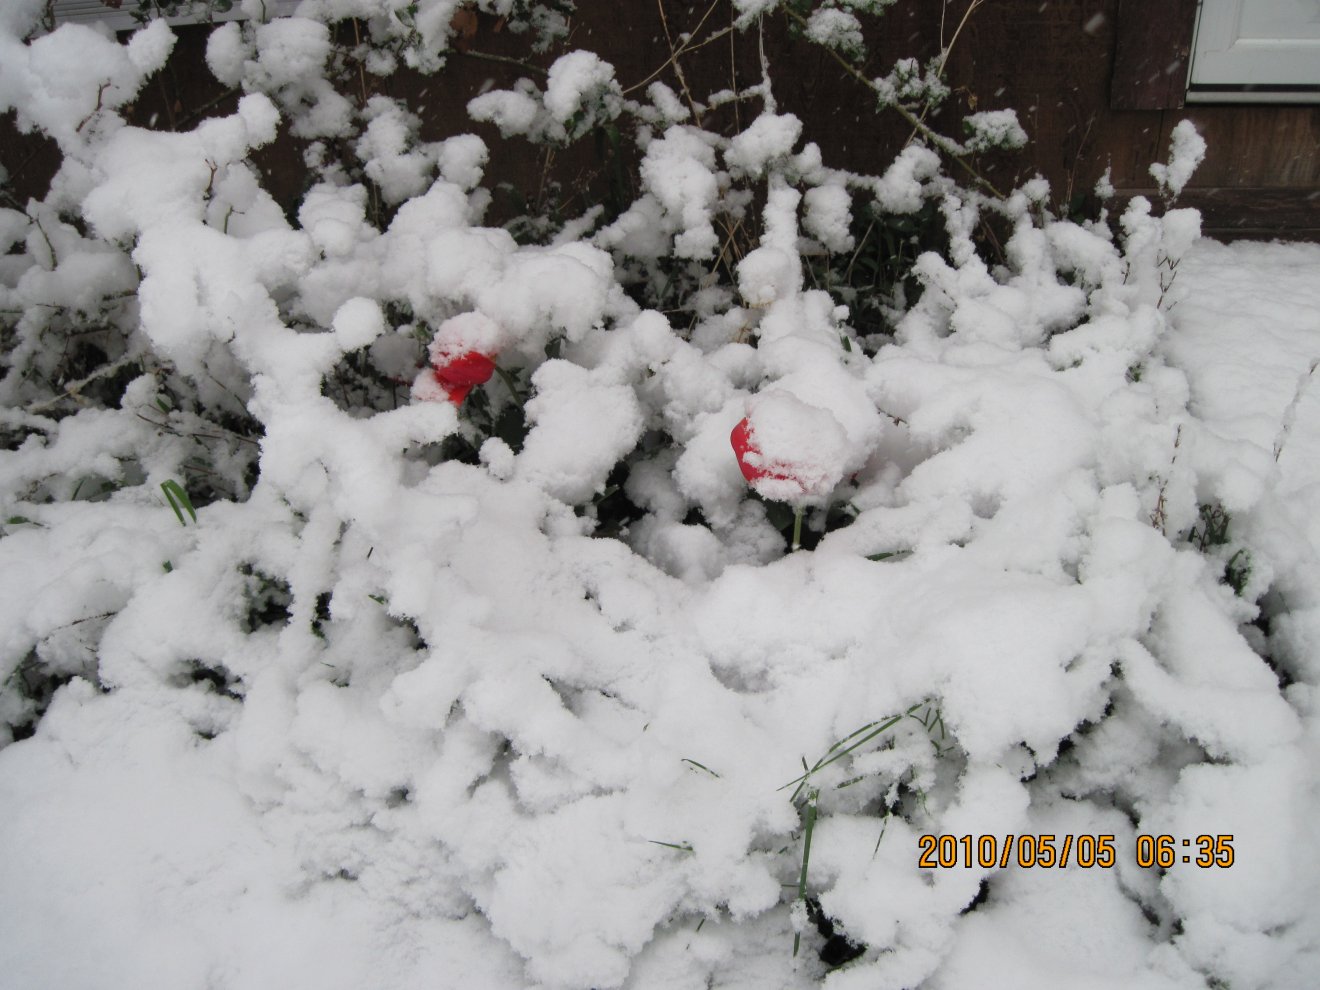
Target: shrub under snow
385, 603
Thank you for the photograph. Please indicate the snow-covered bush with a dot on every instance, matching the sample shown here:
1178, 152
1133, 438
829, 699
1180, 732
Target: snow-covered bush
470, 597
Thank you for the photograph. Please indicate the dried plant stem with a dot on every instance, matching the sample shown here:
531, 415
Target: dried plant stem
674, 54
72, 390
946, 145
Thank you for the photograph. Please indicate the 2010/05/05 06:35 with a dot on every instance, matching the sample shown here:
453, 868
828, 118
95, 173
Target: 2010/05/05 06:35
1087, 851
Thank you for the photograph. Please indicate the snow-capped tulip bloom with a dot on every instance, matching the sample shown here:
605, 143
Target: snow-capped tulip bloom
460, 374
750, 459
462, 356
789, 451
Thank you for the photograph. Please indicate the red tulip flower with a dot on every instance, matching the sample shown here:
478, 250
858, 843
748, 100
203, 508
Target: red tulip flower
460, 374
462, 356
790, 451
756, 470
750, 459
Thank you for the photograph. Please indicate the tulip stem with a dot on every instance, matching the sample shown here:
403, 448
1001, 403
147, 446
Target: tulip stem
509, 383
797, 528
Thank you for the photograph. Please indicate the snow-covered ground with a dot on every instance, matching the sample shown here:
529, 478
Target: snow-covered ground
326, 833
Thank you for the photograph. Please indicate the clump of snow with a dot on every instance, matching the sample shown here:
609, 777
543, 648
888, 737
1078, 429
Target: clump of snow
767, 274
678, 171
227, 50
512, 111
462, 160
994, 129
836, 29
65, 82
770, 136
389, 152
902, 187
667, 103
1186, 152
358, 323
289, 50
749, 10
581, 91
581, 430
828, 216
468, 332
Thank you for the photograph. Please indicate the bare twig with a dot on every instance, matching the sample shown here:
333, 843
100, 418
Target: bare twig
941, 143
1290, 414
1158, 517
54, 258
674, 54
501, 60
362, 72
683, 49
100, 92
227, 435
197, 112
945, 49
768, 95
72, 391
733, 70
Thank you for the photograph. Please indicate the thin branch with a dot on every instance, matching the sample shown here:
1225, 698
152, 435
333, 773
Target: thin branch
733, 70
950, 147
100, 92
73, 390
683, 49
362, 72
674, 54
54, 258
1290, 414
228, 435
768, 93
945, 49
194, 114
500, 60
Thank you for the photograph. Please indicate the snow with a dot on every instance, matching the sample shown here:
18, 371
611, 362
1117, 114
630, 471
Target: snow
770, 136
1186, 152
995, 129
376, 713
828, 214
835, 29
678, 171
512, 111
575, 79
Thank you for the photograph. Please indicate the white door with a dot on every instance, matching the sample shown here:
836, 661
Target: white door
121, 18
1261, 49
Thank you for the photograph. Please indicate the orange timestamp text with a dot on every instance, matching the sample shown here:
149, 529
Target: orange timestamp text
1061, 851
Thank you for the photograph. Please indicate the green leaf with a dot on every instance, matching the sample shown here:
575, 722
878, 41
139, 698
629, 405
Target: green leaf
808, 826
700, 766
680, 846
179, 500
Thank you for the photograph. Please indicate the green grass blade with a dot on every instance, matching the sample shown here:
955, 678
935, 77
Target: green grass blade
179, 500
821, 764
680, 846
809, 825
700, 766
